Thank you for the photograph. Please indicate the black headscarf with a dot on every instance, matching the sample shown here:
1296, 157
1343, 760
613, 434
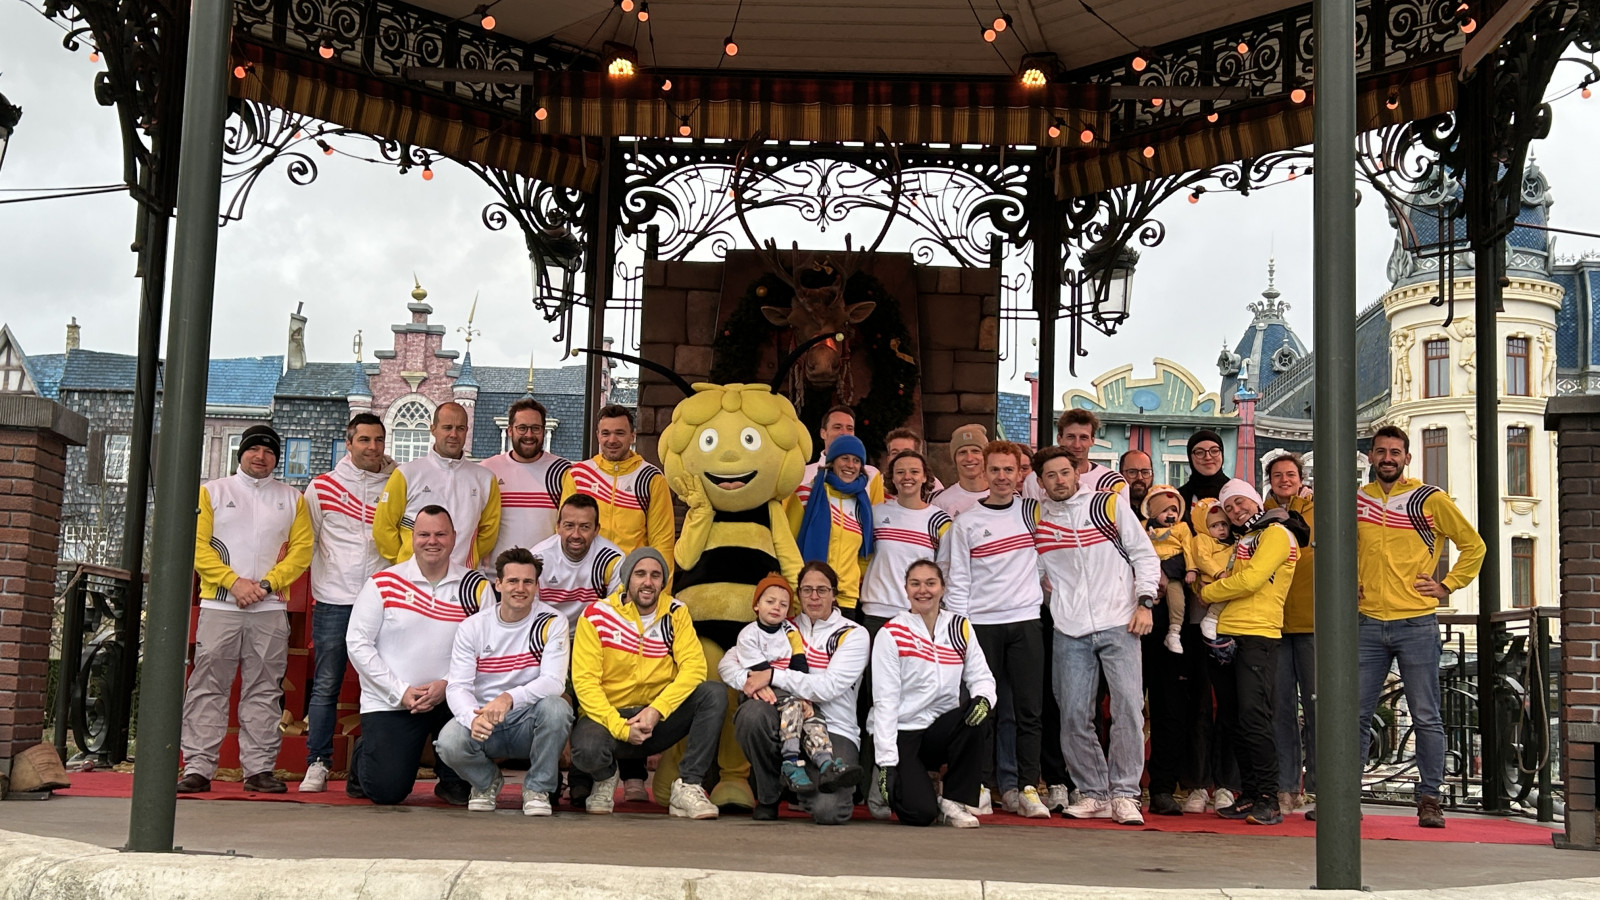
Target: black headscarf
1202, 487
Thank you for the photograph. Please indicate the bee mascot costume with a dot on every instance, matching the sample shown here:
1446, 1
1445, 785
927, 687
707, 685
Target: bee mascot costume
732, 453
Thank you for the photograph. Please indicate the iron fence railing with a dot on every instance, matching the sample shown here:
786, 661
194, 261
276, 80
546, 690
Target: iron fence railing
1526, 690
94, 696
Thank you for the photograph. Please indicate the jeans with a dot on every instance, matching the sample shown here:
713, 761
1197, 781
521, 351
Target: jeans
1297, 696
329, 660
698, 718
947, 741
535, 731
1079, 663
1245, 689
1015, 652
1414, 643
390, 750
755, 724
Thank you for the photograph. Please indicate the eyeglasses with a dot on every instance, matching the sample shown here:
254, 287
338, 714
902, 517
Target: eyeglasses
813, 591
1204, 452
1138, 473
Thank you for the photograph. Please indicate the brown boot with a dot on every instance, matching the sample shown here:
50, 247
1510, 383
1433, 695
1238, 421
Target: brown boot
193, 783
264, 783
1429, 815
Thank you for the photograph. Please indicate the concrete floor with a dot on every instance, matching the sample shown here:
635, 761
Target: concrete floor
1044, 855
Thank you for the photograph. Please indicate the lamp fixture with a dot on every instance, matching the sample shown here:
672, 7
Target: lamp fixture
1038, 69
240, 71
622, 61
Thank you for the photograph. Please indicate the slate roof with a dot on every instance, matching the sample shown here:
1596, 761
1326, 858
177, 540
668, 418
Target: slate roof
249, 381
626, 392
464, 377
243, 381
1011, 415
317, 380
45, 372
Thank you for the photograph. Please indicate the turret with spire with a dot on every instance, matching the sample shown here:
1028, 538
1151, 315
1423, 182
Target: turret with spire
1267, 348
360, 394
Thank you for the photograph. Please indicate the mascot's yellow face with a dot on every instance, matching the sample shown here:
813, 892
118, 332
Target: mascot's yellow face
742, 443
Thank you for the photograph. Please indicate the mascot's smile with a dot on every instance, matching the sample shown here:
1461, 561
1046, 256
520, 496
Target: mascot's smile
730, 482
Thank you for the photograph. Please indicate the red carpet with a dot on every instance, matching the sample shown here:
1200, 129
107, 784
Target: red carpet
1375, 827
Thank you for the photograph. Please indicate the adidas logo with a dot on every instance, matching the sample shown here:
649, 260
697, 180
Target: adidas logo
426, 489
986, 532
228, 505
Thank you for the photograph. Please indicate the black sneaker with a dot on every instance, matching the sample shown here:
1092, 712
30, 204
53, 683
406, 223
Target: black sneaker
1164, 805
765, 812
1241, 809
1265, 812
455, 793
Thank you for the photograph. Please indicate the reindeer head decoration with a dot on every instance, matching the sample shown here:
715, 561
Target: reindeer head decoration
819, 315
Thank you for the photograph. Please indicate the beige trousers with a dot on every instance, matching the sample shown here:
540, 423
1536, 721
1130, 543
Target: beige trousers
255, 645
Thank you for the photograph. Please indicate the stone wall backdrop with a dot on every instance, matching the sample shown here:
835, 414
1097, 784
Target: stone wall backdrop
952, 314
1576, 420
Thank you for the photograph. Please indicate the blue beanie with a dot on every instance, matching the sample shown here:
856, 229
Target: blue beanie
847, 445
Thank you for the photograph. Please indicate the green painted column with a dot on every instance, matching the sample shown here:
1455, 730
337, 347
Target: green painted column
151, 821
1334, 326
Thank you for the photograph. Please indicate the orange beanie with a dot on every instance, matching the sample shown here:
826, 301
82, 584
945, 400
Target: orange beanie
773, 580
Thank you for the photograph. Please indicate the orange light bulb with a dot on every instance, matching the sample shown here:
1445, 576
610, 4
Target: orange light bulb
325, 50
989, 35
1086, 136
729, 47
1139, 63
94, 56
427, 173
1055, 131
1469, 26
487, 22
666, 84
541, 114
1211, 118
1155, 102
1243, 48
999, 23
238, 71
1586, 93
684, 129
1298, 95
1149, 152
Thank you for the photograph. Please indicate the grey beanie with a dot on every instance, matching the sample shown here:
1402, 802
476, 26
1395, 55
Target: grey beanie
639, 555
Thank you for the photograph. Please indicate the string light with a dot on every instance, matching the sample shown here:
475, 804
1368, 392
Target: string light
94, 56
1298, 95
1586, 93
1155, 102
1469, 26
327, 150
1243, 48
427, 172
1055, 128
627, 5
239, 71
729, 47
484, 18
644, 11
1211, 118
325, 49
1394, 99
1086, 135
541, 113
989, 34
730, 193
1194, 197
1001, 22
1139, 63
1293, 174
666, 84
1149, 152
684, 128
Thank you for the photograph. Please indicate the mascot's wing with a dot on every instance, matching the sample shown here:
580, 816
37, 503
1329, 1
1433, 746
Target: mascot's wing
677, 380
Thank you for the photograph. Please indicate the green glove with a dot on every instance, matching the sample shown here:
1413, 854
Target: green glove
886, 781
980, 711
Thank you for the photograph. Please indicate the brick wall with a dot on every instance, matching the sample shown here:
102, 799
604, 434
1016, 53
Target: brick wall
34, 436
1576, 420
956, 329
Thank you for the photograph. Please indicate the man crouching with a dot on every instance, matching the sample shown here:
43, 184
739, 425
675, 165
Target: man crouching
507, 672
640, 678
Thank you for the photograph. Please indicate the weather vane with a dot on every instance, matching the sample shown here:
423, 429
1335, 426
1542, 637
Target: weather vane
356, 345
467, 329
530, 373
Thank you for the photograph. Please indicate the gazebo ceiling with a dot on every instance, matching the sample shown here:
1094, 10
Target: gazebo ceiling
899, 37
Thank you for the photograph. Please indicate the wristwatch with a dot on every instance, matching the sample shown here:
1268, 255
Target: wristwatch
266, 585
1147, 602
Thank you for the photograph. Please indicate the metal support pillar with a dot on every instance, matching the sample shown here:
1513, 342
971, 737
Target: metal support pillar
151, 820
1488, 251
1045, 227
601, 258
1334, 327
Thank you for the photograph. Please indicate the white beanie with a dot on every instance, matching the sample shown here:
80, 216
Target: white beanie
1237, 488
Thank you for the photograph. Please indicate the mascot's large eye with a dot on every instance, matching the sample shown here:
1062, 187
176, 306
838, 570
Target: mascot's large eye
750, 438
708, 440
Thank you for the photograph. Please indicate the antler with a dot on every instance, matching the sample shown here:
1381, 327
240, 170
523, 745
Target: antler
853, 260
769, 248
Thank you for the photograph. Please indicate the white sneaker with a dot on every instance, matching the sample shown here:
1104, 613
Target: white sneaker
1088, 808
1010, 799
1222, 799
955, 815
485, 800
536, 803
316, 780
1073, 796
1029, 806
1196, 801
985, 805
1173, 643
1125, 811
689, 801
1056, 797
634, 791
1208, 628
603, 799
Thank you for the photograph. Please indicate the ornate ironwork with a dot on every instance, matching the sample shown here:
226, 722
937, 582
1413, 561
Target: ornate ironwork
551, 219
1276, 57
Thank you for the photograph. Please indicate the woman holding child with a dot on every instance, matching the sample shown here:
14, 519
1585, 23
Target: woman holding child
819, 660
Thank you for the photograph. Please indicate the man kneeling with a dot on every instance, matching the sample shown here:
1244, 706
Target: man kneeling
640, 678
507, 672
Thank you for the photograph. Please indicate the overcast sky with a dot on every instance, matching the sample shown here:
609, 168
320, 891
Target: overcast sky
347, 245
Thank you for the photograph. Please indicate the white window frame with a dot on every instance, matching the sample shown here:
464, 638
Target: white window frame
118, 449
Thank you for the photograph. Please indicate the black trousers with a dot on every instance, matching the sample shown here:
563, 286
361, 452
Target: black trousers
1015, 653
864, 696
1245, 690
947, 741
1052, 765
1180, 696
698, 718
755, 724
390, 750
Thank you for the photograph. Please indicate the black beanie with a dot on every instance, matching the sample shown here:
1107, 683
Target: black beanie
261, 436
1204, 434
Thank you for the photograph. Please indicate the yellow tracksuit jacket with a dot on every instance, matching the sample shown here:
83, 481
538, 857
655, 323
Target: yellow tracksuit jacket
635, 503
1263, 569
1299, 612
1397, 539
616, 663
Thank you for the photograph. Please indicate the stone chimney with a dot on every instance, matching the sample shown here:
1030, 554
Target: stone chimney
72, 334
296, 357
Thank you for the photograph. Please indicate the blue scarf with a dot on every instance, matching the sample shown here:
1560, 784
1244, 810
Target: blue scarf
816, 525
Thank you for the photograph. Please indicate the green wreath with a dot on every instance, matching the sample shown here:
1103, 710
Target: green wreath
895, 373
